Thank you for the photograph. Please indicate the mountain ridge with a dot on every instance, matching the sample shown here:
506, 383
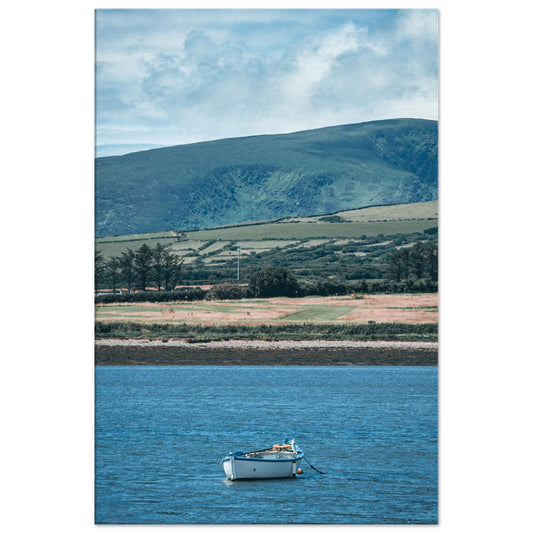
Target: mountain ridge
261, 177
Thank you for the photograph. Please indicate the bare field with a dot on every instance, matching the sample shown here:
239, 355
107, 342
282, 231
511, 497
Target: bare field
421, 210
390, 308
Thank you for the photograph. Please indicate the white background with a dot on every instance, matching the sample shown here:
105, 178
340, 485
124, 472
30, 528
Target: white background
47, 125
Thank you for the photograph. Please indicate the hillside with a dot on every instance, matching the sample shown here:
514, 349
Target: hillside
265, 177
345, 245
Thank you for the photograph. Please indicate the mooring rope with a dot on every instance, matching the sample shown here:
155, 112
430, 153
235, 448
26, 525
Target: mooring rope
315, 469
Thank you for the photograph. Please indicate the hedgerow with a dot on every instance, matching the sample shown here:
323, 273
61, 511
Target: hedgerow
383, 331
194, 293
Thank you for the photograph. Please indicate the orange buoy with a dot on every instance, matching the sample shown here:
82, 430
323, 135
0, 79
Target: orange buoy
300, 471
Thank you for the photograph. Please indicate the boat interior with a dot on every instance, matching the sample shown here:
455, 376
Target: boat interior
276, 452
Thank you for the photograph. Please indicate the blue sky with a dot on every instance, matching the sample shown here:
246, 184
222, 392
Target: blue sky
167, 77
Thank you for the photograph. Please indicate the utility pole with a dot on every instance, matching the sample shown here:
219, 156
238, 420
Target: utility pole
238, 264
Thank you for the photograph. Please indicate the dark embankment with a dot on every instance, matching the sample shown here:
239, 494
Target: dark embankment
122, 353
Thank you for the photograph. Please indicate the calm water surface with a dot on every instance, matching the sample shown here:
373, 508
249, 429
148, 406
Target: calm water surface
161, 433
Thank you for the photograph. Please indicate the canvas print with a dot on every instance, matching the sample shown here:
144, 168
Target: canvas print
266, 266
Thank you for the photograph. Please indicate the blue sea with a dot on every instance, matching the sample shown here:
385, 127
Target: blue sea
161, 433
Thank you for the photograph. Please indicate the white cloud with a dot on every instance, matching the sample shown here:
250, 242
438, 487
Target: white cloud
187, 77
421, 24
315, 62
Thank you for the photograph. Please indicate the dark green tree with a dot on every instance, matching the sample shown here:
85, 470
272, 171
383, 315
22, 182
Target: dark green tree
394, 268
273, 281
127, 261
227, 291
398, 265
171, 269
431, 257
417, 260
143, 266
158, 259
99, 268
113, 269
405, 258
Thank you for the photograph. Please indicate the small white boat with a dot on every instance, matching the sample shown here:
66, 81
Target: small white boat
282, 460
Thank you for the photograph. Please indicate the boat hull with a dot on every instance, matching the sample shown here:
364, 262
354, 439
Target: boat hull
236, 467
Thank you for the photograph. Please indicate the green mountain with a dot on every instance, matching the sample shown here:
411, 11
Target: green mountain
266, 177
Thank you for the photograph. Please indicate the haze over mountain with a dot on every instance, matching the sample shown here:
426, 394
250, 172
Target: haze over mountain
267, 176
106, 150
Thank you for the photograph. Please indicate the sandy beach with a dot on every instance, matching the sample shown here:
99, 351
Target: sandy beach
120, 352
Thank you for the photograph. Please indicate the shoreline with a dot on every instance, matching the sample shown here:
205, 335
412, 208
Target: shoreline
179, 352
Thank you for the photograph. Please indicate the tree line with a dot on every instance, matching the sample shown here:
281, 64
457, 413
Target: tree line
407, 269
233, 291
417, 262
137, 270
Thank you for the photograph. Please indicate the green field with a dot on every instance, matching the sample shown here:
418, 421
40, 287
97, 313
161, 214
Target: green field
300, 231
385, 220
402, 317
405, 308
116, 245
319, 313
312, 247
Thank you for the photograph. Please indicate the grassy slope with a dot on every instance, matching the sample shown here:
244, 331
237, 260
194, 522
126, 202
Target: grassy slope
264, 177
299, 231
308, 246
386, 220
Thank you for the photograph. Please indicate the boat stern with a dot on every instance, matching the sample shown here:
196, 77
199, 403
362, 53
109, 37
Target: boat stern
229, 464
226, 463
